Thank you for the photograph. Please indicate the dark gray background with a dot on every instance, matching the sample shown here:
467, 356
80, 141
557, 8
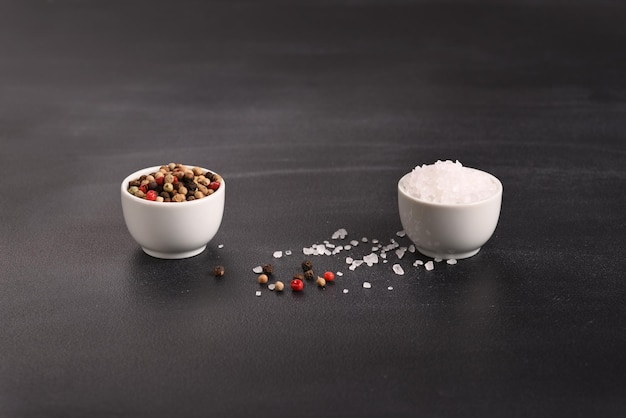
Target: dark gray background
312, 111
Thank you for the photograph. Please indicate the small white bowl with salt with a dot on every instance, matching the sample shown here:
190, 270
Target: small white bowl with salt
449, 211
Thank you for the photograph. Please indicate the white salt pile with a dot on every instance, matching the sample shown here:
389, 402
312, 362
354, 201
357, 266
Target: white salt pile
449, 182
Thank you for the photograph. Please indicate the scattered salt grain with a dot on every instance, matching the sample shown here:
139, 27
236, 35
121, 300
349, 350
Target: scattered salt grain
418, 263
448, 182
349, 260
400, 252
345, 291
354, 243
278, 254
383, 255
220, 246
438, 259
411, 248
347, 247
401, 234
271, 286
258, 293
288, 252
257, 270
374, 241
367, 285
371, 259
390, 288
429, 265
451, 261
340, 234
339, 274
364, 239
397, 268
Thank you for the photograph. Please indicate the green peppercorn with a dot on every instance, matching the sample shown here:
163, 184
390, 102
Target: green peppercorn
168, 187
133, 189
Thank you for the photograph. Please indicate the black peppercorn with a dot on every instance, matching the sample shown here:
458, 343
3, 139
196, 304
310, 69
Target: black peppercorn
307, 265
218, 271
268, 269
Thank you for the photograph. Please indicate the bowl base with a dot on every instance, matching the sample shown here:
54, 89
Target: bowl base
173, 256
446, 256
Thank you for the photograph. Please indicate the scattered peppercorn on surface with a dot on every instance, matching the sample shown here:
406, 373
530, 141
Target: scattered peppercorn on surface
175, 182
357, 254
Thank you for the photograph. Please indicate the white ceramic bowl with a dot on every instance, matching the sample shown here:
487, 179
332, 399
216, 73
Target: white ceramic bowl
172, 229
449, 230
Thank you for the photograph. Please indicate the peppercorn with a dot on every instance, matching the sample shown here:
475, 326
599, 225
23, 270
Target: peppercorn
329, 276
297, 285
151, 195
268, 269
198, 194
214, 185
133, 189
169, 178
197, 171
298, 276
307, 265
279, 286
188, 175
218, 271
178, 197
309, 275
320, 281
263, 278
152, 185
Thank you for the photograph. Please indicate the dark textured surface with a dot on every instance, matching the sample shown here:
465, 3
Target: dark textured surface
312, 111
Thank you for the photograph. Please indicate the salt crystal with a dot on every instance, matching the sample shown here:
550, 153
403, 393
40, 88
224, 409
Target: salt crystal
278, 254
307, 251
349, 260
449, 182
347, 247
429, 265
390, 288
367, 285
371, 259
383, 255
258, 293
411, 248
271, 286
354, 243
418, 263
374, 249
364, 239
340, 234
321, 248
400, 252
288, 252
257, 270
339, 274
397, 268
438, 260
345, 291
401, 234
329, 245
451, 261
220, 246
374, 241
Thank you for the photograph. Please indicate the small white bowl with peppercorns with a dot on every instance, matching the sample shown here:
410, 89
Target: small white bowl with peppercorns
174, 210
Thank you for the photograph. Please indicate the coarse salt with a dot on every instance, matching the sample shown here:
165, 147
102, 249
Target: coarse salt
397, 268
449, 182
278, 254
451, 261
257, 270
367, 285
429, 265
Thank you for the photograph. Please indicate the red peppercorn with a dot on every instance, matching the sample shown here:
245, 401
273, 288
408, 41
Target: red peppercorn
214, 185
144, 188
151, 195
297, 285
175, 180
160, 180
329, 276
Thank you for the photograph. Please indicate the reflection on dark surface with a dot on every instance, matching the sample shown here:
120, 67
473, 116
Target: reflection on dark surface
157, 281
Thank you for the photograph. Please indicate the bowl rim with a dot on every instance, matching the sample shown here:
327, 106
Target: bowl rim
148, 170
495, 196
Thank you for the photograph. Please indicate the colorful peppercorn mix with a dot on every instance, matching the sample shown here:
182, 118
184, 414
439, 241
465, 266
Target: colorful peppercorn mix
175, 183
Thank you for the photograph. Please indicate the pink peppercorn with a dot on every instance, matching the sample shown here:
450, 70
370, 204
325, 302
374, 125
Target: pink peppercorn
151, 195
297, 285
214, 185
